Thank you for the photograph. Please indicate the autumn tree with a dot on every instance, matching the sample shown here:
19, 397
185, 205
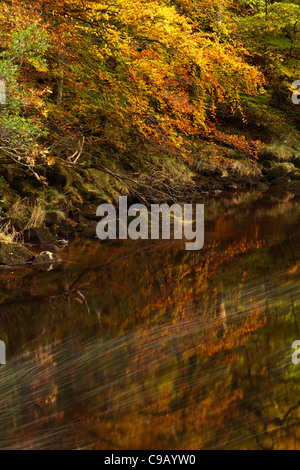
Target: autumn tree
19, 123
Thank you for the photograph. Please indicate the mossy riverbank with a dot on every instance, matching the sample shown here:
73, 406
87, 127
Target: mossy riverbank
32, 212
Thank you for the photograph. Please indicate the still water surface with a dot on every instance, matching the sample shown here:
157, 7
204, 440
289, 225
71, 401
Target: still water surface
142, 345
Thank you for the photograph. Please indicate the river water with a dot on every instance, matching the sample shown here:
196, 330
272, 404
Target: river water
143, 345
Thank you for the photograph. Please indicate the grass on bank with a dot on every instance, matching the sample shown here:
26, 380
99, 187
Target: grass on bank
8, 234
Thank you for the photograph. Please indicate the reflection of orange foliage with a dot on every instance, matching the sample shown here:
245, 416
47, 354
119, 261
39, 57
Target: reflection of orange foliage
185, 282
236, 335
162, 369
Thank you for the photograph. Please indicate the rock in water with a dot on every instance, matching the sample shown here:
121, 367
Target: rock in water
46, 257
37, 235
13, 254
282, 181
66, 229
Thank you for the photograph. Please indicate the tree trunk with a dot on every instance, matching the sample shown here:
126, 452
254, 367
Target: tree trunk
60, 82
2, 92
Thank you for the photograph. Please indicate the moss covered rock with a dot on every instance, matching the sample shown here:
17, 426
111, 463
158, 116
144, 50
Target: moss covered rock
283, 181
280, 170
52, 218
13, 254
37, 235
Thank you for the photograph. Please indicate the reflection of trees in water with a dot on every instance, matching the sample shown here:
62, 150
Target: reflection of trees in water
172, 383
153, 347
